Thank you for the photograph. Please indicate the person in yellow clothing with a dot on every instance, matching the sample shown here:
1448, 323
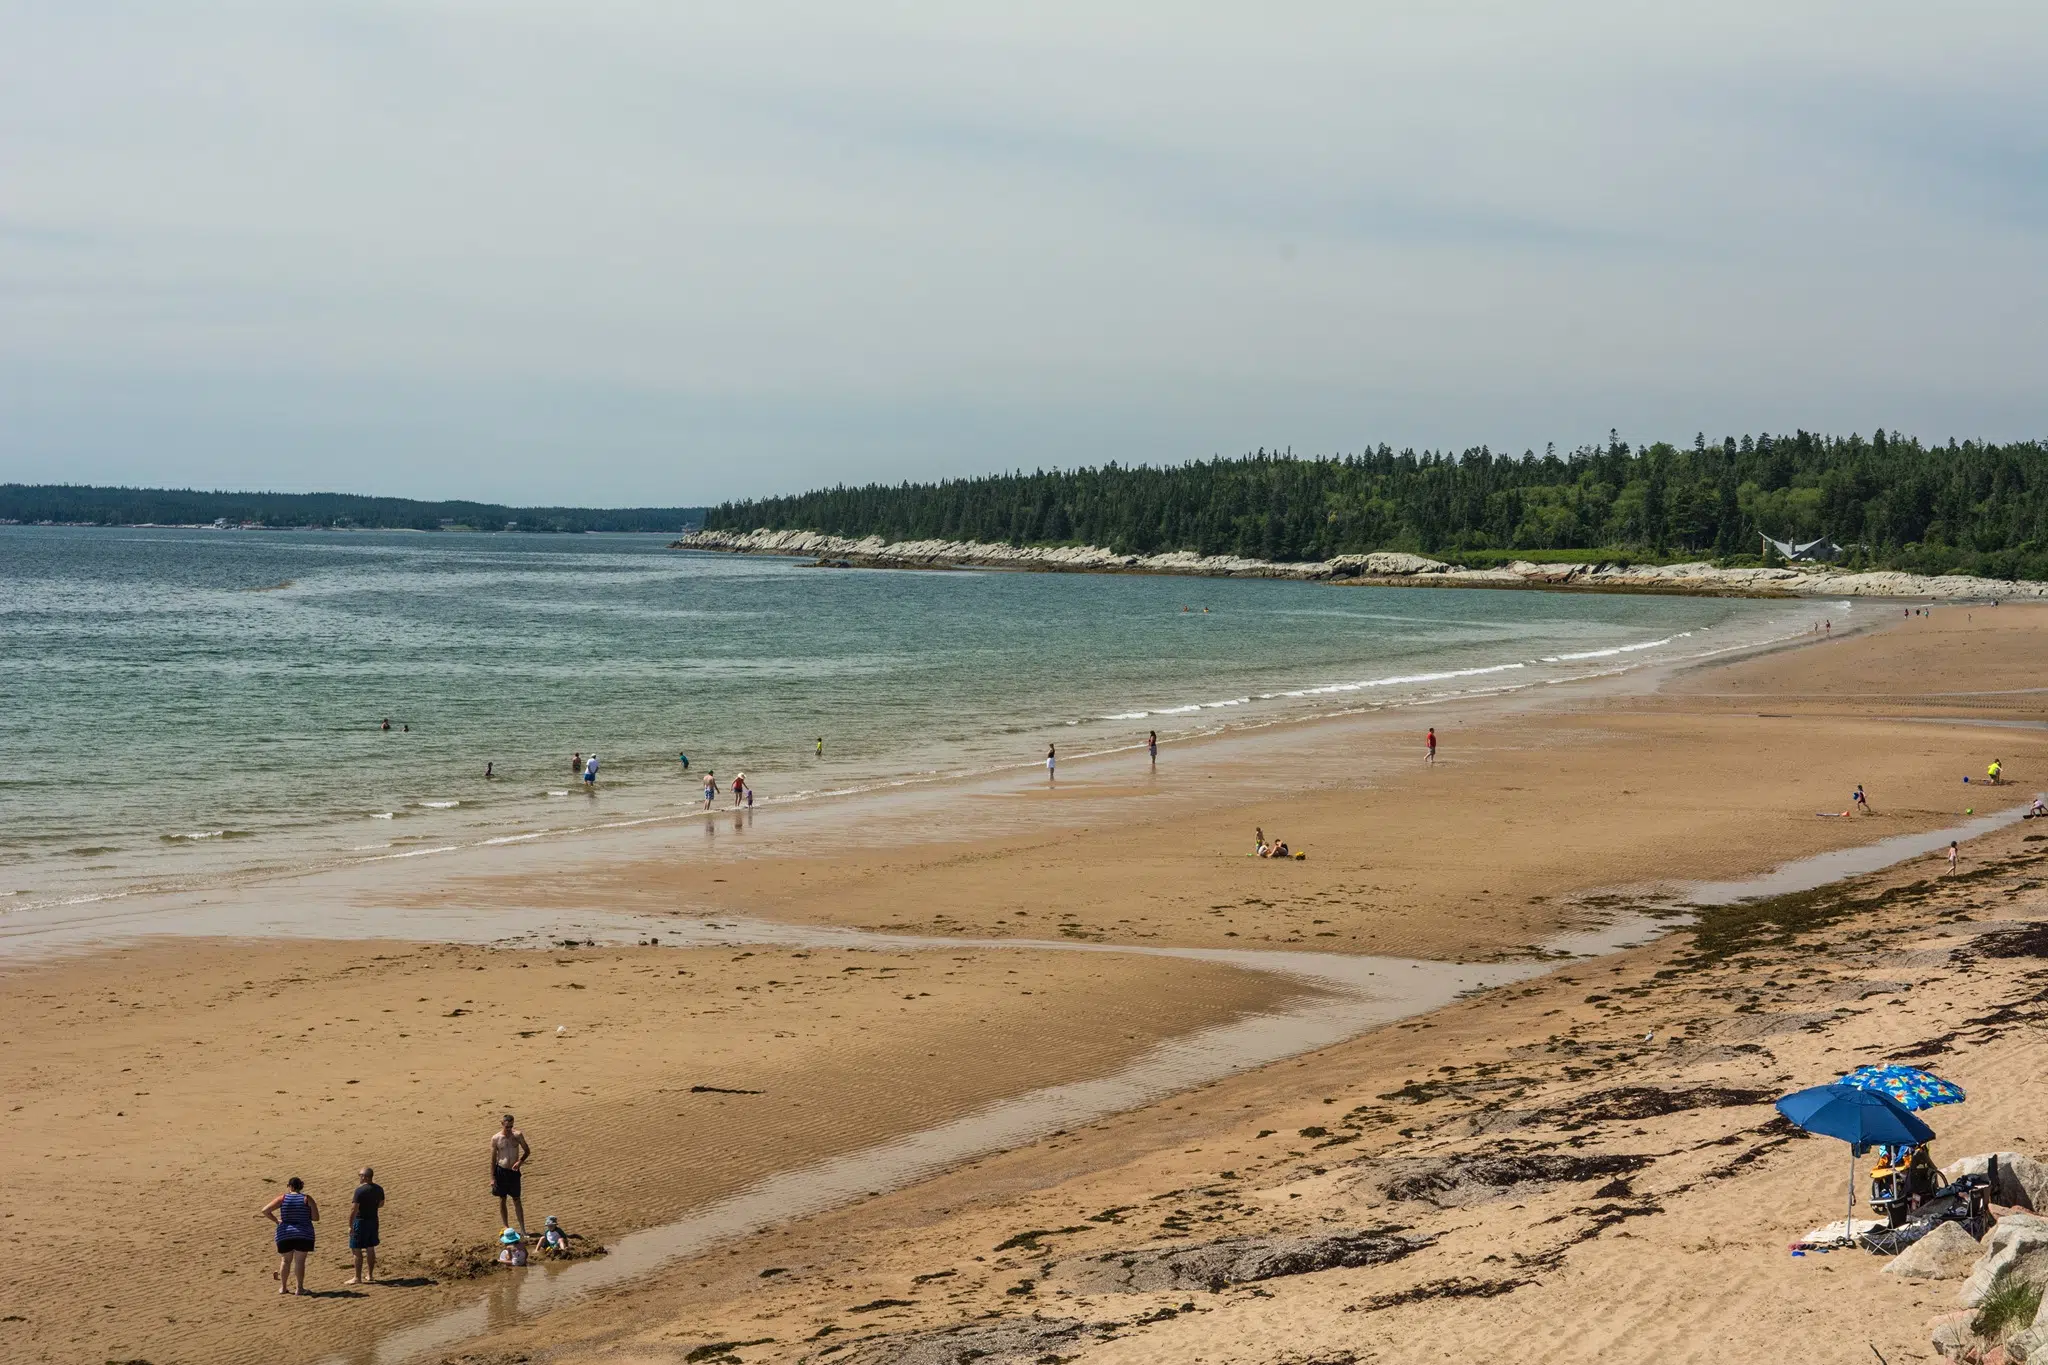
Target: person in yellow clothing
1992, 772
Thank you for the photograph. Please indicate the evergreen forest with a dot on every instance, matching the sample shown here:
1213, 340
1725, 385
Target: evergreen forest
1887, 500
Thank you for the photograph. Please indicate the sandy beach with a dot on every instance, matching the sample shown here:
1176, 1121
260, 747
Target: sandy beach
1581, 1164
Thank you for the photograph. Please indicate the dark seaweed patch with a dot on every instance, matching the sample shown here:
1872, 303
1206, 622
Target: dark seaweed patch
1725, 931
1462, 1176
723, 1348
1460, 1287
1645, 1102
2028, 940
1028, 1241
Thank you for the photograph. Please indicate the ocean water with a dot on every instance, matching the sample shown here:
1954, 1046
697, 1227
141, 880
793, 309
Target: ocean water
178, 707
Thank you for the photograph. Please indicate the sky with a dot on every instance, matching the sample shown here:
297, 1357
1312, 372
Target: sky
659, 253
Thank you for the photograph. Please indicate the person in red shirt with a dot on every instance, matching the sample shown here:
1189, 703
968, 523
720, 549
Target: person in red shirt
1430, 744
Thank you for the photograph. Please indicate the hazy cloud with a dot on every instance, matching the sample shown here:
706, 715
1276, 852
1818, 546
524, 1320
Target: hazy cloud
658, 252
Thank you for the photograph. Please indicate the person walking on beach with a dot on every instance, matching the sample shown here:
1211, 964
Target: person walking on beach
739, 789
363, 1207
1859, 802
294, 1212
1429, 747
710, 789
1951, 855
1051, 765
1152, 747
509, 1151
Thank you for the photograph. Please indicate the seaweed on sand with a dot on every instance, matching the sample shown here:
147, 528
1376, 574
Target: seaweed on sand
2027, 940
1476, 1177
1726, 931
1645, 1102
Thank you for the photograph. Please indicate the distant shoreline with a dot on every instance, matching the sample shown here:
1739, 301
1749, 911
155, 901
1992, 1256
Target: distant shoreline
1382, 569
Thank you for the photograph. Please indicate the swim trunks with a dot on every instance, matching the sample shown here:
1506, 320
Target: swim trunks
362, 1234
505, 1181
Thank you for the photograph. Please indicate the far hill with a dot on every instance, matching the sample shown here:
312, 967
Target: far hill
74, 504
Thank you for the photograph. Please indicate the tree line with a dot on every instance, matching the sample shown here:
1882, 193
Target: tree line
79, 504
1890, 501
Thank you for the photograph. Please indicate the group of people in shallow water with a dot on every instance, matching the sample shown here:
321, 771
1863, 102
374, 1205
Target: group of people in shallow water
742, 790
295, 1213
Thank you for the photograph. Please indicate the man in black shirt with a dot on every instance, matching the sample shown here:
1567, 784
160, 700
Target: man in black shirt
362, 1226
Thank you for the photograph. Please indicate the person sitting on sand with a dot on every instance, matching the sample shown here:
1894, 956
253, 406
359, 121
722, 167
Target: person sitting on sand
553, 1241
1280, 849
514, 1252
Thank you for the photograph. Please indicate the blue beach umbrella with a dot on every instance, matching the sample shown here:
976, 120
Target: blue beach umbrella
1913, 1088
1858, 1117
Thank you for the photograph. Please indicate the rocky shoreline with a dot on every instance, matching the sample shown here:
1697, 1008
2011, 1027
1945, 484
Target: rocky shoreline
1384, 569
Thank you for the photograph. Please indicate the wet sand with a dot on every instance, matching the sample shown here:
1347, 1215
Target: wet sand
1544, 814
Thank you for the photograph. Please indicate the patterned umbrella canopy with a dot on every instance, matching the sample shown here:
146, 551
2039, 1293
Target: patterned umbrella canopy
1913, 1088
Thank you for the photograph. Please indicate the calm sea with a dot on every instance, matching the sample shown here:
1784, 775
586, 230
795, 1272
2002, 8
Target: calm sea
181, 706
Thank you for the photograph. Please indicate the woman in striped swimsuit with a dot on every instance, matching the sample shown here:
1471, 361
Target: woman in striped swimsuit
294, 1212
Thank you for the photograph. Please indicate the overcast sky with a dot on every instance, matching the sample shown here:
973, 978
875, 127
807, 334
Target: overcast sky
611, 252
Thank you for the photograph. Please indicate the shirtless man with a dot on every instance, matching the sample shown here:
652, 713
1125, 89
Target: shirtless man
509, 1150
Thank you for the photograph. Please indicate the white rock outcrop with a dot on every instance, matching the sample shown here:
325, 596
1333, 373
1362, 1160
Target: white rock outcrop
2018, 1246
1379, 568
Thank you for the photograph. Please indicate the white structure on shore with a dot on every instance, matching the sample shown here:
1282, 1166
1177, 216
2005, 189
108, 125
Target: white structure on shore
1812, 552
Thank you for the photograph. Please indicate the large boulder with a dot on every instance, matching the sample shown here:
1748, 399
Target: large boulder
2018, 1246
2022, 1181
1946, 1253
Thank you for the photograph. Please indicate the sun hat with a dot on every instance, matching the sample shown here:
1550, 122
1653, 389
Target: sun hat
511, 1237
549, 1221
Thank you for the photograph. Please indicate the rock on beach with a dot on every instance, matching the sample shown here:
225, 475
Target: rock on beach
1381, 568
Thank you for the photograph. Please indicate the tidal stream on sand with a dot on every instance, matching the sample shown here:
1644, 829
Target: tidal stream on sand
1342, 997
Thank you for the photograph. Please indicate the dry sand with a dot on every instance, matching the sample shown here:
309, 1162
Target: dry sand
242, 1049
